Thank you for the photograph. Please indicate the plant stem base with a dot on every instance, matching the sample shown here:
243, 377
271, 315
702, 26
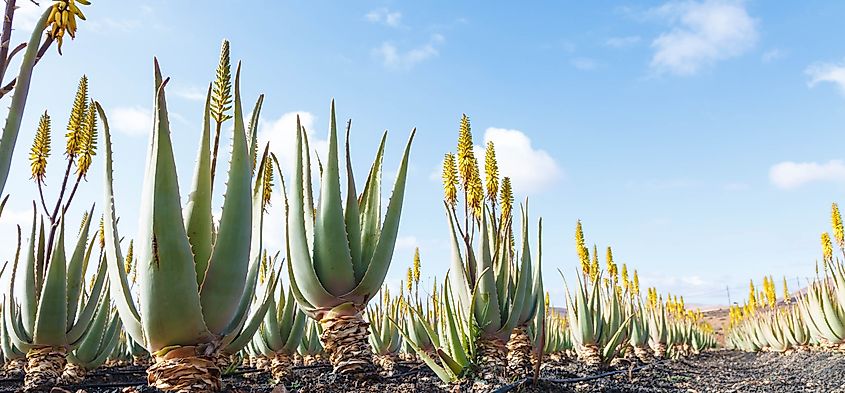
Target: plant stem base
344, 339
44, 367
519, 354
183, 370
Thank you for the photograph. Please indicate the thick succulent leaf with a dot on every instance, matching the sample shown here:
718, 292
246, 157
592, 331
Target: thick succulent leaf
253, 130
78, 329
485, 297
225, 279
446, 375
170, 304
119, 284
76, 270
332, 258
370, 206
9, 350
256, 247
378, 266
19, 335
90, 344
51, 318
453, 339
270, 331
26, 283
233, 343
198, 220
307, 186
296, 332
524, 295
353, 216
459, 282
300, 267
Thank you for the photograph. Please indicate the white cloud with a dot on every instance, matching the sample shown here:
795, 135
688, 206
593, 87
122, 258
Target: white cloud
702, 34
584, 63
132, 121
827, 72
772, 55
392, 57
407, 243
622, 42
531, 170
190, 93
281, 134
790, 174
385, 17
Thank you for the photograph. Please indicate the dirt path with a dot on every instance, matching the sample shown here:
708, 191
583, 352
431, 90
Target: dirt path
717, 371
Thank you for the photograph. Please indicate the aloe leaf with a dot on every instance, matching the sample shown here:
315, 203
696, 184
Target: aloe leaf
296, 332
27, 280
256, 246
353, 216
370, 206
253, 130
198, 220
90, 344
167, 278
129, 315
307, 287
224, 281
485, 296
332, 258
445, 375
51, 318
234, 344
76, 270
378, 266
16, 109
77, 330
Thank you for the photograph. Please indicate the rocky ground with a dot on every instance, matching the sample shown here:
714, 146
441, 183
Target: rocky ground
716, 371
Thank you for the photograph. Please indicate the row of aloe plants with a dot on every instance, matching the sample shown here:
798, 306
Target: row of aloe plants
813, 319
190, 298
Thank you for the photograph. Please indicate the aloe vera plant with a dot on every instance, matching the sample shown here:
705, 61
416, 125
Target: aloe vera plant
281, 334
196, 283
339, 255
47, 316
385, 339
96, 346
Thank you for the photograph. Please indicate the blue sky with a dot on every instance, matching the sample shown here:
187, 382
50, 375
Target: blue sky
701, 139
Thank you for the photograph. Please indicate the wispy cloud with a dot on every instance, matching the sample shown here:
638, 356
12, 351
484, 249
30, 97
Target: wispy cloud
190, 93
827, 72
584, 63
384, 16
132, 121
790, 175
622, 42
392, 57
702, 34
772, 55
532, 170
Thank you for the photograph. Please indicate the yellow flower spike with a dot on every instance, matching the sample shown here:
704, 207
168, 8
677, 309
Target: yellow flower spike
838, 231
268, 183
40, 149
130, 255
221, 98
410, 280
752, 293
78, 116
611, 266
506, 197
491, 173
262, 269
827, 249
626, 283
636, 283
88, 143
594, 266
583, 252
450, 180
475, 192
785, 291
466, 155
102, 234
417, 266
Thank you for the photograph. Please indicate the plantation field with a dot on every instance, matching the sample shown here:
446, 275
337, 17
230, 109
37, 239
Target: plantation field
713, 371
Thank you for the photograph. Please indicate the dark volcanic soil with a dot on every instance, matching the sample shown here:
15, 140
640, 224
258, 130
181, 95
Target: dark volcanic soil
717, 371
